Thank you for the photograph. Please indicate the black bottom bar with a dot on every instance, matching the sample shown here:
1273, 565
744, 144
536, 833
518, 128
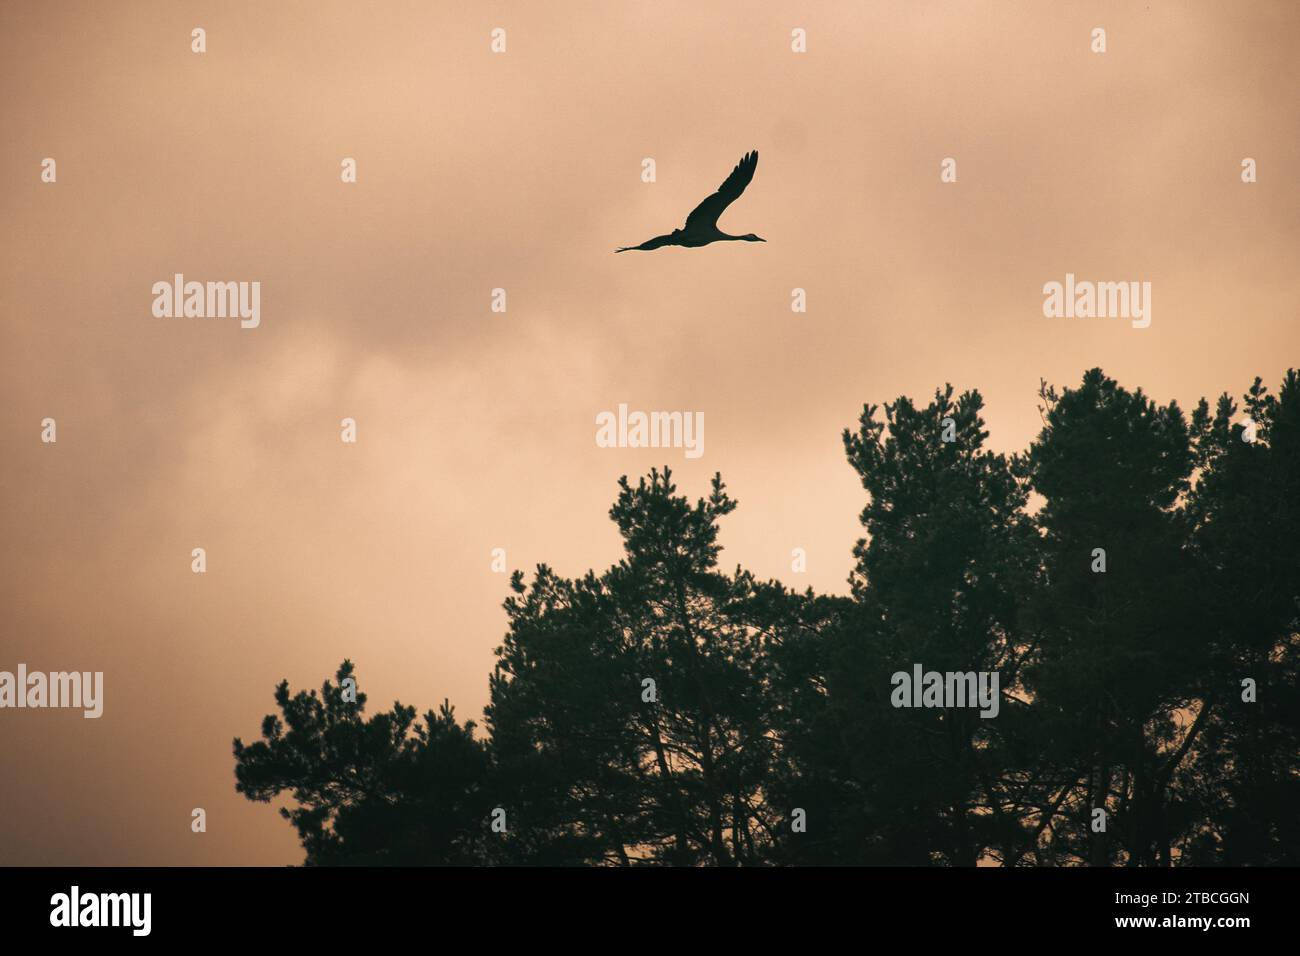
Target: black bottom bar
297, 905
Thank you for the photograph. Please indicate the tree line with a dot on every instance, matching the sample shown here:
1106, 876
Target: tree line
1133, 578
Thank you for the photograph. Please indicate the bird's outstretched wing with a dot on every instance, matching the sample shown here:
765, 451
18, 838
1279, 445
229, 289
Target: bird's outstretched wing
707, 212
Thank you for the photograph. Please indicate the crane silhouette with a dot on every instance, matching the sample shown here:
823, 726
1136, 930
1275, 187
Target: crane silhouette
702, 224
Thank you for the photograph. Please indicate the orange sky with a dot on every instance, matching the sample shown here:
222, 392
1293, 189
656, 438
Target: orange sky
476, 430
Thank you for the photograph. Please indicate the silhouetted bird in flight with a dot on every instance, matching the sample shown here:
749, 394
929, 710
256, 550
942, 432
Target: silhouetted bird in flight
702, 224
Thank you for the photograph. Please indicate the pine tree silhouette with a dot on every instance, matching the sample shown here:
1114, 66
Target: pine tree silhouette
1133, 578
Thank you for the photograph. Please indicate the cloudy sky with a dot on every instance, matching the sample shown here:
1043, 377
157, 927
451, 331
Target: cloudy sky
522, 171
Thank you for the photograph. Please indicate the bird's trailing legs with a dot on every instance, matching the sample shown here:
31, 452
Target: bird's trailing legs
649, 244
